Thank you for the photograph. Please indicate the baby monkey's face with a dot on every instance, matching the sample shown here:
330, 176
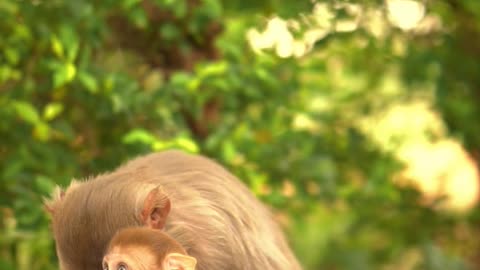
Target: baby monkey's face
142, 248
130, 258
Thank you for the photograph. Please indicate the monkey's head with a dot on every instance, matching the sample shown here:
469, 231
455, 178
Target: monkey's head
87, 215
140, 248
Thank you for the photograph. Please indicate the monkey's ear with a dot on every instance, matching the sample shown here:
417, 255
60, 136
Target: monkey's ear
155, 209
51, 204
177, 261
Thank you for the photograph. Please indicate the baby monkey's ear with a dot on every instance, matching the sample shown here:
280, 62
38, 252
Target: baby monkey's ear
177, 261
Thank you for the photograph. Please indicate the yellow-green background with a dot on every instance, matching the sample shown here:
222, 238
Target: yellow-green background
85, 85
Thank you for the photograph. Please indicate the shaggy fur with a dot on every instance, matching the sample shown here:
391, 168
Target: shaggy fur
213, 215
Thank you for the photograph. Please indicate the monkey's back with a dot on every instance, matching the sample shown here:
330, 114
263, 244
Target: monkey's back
214, 216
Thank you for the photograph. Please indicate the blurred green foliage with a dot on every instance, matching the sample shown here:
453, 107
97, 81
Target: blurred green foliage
86, 85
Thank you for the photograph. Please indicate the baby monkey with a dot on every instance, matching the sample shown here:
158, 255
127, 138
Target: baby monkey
142, 248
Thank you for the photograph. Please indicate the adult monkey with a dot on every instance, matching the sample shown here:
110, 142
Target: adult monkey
193, 199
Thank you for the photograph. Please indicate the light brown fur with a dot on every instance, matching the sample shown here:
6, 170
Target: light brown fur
143, 248
213, 215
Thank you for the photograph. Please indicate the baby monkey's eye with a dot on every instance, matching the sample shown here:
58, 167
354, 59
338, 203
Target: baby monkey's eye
122, 267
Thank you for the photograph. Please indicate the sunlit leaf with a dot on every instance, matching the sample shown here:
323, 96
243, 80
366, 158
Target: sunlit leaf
213, 69
27, 112
52, 110
180, 78
69, 40
12, 55
88, 81
41, 131
64, 74
187, 144
228, 150
57, 47
139, 136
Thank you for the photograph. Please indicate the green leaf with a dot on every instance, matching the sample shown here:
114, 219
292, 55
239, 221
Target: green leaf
7, 73
169, 32
128, 4
228, 151
167, 3
64, 74
9, 7
138, 17
180, 79
52, 110
44, 184
213, 69
88, 81
57, 47
27, 112
193, 85
213, 8
160, 145
187, 144
12, 55
180, 8
41, 131
69, 39
139, 136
